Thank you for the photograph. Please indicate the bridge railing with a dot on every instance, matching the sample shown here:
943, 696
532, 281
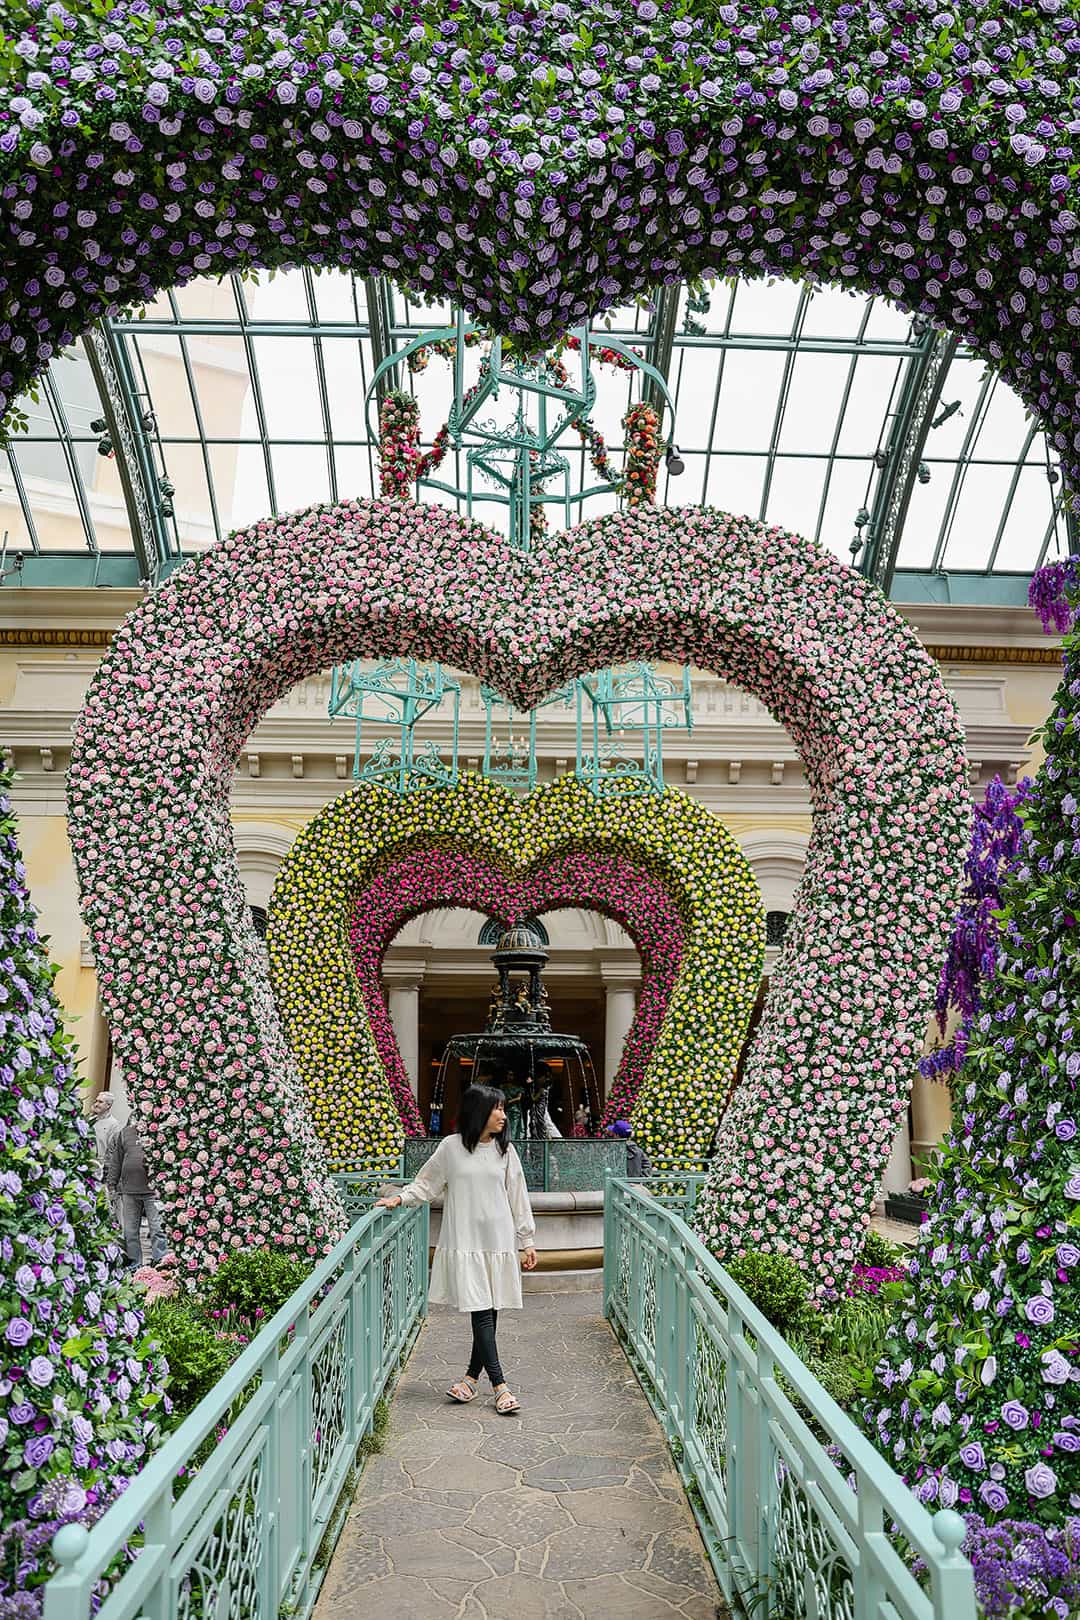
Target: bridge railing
232, 1519
567, 1164
792, 1528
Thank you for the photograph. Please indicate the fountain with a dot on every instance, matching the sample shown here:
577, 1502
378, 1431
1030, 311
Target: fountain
518, 1051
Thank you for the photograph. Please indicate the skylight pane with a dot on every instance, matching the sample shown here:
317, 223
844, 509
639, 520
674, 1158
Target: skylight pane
290, 394
744, 420
301, 476
1026, 524
795, 493
768, 308
815, 392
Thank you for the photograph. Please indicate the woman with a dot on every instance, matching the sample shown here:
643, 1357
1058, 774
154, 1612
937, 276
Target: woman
486, 1205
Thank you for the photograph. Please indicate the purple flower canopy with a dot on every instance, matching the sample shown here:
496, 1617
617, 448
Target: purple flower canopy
540, 166
802, 1146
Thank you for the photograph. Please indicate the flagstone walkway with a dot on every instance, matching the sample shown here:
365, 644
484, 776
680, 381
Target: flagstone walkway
570, 1510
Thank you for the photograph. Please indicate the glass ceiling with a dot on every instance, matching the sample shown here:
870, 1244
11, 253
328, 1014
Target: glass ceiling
249, 398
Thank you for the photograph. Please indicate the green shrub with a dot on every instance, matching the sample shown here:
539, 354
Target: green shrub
878, 1251
196, 1357
776, 1285
255, 1284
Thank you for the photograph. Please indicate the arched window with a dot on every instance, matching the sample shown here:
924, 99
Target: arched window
493, 931
258, 920
776, 926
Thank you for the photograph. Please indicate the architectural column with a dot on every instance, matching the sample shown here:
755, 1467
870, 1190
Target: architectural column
931, 1116
897, 1175
403, 995
620, 1004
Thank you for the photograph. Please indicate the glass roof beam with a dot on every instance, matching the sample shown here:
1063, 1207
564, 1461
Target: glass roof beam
20, 491
111, 367
380, 330
662, 343
963, 464
920, 391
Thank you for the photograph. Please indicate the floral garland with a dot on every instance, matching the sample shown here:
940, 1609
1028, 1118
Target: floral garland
186, 678
79, 1378
401, 461
978, 1396
432, 878
538, 167
562, 845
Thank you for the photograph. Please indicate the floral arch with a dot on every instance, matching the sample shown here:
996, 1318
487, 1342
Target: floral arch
665, 868
894, 148
191, 671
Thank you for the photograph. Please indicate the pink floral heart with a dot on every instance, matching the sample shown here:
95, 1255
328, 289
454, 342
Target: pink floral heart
800, 1151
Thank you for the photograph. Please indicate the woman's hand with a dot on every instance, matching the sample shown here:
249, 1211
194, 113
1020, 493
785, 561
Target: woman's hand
528, 1259
388, 1203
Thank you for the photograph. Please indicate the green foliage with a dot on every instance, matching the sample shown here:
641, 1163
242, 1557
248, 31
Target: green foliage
197, 1358
878, 1251
255, 1284
776, 1285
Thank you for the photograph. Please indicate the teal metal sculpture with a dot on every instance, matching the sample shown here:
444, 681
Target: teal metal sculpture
519, 460
397, 695
615, 702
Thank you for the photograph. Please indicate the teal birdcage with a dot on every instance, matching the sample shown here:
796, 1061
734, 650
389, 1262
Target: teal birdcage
612, 706
510, 737
393, 697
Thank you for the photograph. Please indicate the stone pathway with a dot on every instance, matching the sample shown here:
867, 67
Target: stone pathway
570, 1510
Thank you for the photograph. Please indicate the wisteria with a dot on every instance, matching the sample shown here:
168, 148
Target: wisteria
996, 843
79, 1382
978, 1397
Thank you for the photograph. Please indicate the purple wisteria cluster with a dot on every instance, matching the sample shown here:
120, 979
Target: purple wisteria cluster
541, 163
79, 1382
996, 847
978, 1399
801, 1148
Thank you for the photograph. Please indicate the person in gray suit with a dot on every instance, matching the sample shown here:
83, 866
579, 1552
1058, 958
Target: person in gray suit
125, 1172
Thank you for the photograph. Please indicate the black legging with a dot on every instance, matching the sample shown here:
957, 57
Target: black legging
485, 1354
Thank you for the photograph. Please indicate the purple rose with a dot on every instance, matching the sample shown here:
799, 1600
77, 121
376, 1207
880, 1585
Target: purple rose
18, 1331
37, 1450
1039, 1310
994, 1495
972, 1456
1041, 1481
41, 1372
1015, 1414
1055, 1368
23, 1412
1068, 1254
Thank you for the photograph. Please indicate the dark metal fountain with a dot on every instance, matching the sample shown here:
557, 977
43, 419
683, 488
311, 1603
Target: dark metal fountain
519, 1052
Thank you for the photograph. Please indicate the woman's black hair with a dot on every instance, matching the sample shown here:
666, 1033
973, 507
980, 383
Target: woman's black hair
474, 1113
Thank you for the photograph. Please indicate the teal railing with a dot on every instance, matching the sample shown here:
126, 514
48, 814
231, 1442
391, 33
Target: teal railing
567, 1164
791, 1530
235, 1517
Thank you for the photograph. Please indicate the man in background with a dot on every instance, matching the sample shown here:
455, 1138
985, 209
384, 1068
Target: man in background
106, 1127
125, 1173
636, 1162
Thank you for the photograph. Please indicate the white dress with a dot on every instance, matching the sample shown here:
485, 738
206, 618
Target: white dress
486, 1219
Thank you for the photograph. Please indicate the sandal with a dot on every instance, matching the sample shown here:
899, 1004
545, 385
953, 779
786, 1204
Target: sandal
505, 1402
466, 1389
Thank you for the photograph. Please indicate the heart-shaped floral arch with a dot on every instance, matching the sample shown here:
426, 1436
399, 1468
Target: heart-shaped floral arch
190, 672
607, 883
375, 856
539, 166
